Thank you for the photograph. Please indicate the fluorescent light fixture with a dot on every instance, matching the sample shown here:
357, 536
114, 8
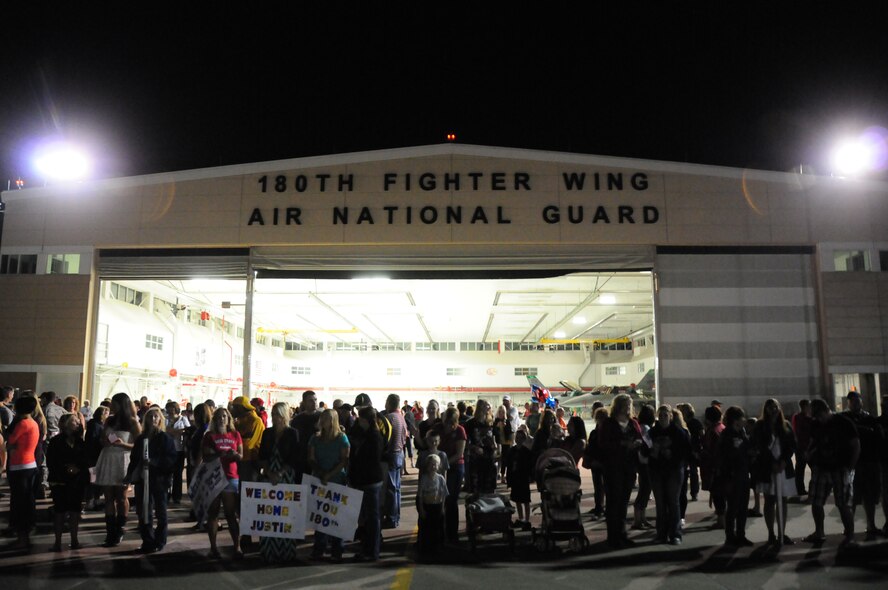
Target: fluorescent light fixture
578, 320
559, 334
607, 299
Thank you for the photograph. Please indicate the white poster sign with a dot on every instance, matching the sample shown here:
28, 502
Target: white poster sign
272, 510
332, 509
208, 482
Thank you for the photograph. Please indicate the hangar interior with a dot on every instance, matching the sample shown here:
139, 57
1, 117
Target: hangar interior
424, 337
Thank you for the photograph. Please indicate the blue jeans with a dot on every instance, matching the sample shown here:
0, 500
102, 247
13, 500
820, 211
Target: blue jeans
370, 517
667, 486
451, 513
392, 507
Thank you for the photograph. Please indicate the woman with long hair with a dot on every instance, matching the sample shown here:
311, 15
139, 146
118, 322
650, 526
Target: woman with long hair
162, 459
328, 458
21, 469
278, 455
732, 475
647, 417
773, 472
222, 441
482, 449
593, 461
365, 473
120, 432
453, 442
669, 455
619, 440
72, 406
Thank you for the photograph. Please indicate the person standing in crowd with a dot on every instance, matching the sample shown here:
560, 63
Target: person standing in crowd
259, 407
193, 439
176, 426
695, 430
278, 455
883, 455
162, 460
68, 466
712, 421
668, 458
418, 414
801, 427
833, 455
533, 421
86, 410
646, 419
575, 442
121, 430
144, 406
453, 442
559, 417
366, 474
53, 412
21, 447
306, 424
328, 453
431, 496
678, 420
222, 441
774, 476
72, 405
250, 426
482, 449
592, 460
619, 439
6, 413
542, 440
391, 513
410, 421
520, 475
732, 476
866, 472
506, 436
463, 412
432, 417
93, 448
514, 421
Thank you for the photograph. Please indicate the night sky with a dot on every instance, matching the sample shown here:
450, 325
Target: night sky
768, 85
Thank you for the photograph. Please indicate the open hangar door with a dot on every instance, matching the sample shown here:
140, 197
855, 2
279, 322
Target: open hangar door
173, 324
739, 325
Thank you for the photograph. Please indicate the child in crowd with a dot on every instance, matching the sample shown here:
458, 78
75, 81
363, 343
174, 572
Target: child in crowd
432, 440
520, 474
431, 493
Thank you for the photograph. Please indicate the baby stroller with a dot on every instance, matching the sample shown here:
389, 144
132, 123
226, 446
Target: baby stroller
489, 513
558, 481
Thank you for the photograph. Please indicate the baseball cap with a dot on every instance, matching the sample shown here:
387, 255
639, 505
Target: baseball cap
507, 398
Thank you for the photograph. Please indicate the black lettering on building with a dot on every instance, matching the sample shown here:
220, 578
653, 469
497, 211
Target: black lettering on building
340, 215
575, 216
428, 215
551, 214
427, 182
454, 214
522, 180
390, 209
388, 180
323, 178
639, 181
498, 181
625, 213
501, 218
451, 182
475, 176
479, 216
601, 215
256, 217
574, 181
650, 214
293, 214
365, 216
346, 180
301, 183
614, 181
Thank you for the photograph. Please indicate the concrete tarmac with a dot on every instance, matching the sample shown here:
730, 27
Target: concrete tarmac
701, 562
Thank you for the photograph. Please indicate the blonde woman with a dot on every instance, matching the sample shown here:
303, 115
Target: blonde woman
483, 449
278, 455
222, 441
328, 453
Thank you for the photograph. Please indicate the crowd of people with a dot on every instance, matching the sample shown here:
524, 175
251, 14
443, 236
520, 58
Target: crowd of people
89, 459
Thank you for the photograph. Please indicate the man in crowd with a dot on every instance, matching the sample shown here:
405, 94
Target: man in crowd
866, 473
833, 455
533, 421
53, 412
801, 427
391, 512
306, 425
6, 413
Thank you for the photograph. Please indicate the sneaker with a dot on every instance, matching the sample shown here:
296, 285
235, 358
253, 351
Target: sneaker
744, 542
675, 541
871, 535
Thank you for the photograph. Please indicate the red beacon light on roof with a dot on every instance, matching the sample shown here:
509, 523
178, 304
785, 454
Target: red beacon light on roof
451, 137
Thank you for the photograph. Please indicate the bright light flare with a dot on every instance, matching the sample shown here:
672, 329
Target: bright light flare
866, 153
62, 161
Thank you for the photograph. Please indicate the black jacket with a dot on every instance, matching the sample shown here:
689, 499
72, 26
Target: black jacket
162, 457
365, 462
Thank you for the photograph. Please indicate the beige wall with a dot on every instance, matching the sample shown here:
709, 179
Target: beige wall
44, 319
697, 206
855, 305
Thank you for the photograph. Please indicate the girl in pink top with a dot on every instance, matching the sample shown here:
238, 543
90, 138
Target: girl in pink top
222, 441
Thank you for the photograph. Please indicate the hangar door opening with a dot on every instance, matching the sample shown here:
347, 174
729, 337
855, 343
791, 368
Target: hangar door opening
183, 337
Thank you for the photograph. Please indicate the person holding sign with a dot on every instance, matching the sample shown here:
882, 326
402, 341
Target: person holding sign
328, 458
162, 458
278, 456
223, 441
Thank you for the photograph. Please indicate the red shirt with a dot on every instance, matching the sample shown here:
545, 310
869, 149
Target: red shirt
450, 440
24, 438
221, 444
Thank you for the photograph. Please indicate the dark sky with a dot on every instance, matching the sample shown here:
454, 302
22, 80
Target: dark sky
759, 85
